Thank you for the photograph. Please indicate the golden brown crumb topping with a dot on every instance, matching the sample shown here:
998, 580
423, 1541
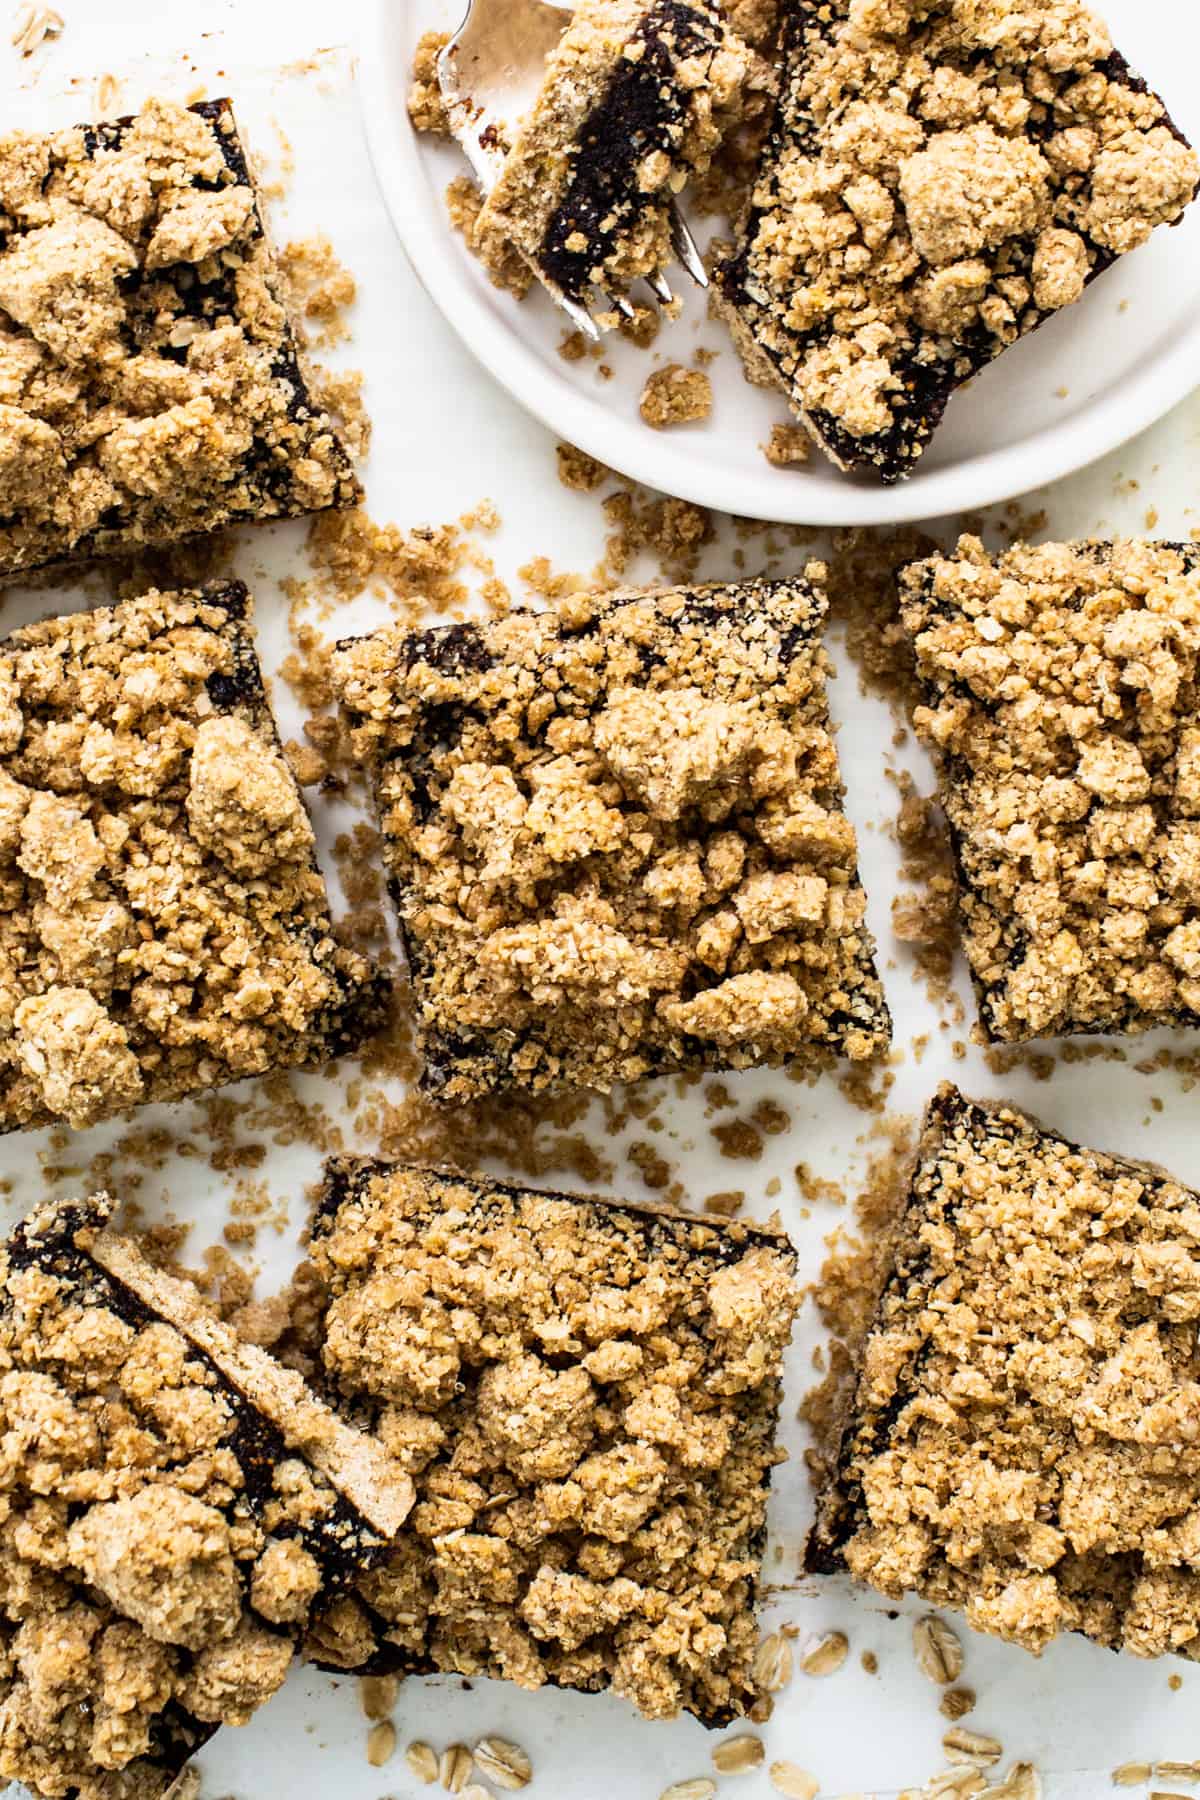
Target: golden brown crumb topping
165, 926
1063, 702
1025, 1441
149, 384
157, 1529
942, 175
637, 96
586, 1398
615, 836
676, 396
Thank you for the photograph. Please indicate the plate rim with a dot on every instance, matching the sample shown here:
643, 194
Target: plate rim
988, 479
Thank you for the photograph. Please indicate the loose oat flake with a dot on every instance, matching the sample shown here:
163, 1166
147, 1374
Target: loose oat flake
938, 1650
827, 1655
381, 1743
34, 24
423, 1762
973, 1747
1177, 1771
455, 1768
773, 1663
790, 1779
377, 1695
699, 1789
736, 1756
504, 1763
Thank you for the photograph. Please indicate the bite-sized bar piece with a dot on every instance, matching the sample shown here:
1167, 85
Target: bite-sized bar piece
615, 837
150, 383
165, 926
942, 176
1064, 708
1025, 1438
174, 1502
636, 98
586, 1396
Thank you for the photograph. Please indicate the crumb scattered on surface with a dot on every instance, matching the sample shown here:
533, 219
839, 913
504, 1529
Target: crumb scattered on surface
675, 396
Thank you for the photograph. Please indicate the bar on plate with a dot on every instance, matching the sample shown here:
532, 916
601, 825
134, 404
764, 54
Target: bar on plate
1024, 1443
1061, 703
151, 385
636, 97
939, 181
615, 837
585, 1394
175, 1502
165, 925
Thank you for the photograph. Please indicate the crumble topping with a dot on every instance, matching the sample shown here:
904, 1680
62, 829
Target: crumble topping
1023, 1443
637, 96
585, 1395
941, 176
165, 926
152, 1540
149, 382
676, 396
615, 835
1061, 689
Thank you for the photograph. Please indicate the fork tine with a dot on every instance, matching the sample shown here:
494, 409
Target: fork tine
622, 305
686, 247
660, 287
579, 316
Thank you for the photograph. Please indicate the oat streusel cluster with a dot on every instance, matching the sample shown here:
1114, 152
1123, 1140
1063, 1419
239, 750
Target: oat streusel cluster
637, 96
149, 379
585, 1395
164, 1529
164, 926
615, 836
1064, 706
941, 177
1025, 1439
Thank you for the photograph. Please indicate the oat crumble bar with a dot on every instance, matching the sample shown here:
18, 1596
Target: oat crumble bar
636, 98
1062, 703
173, 1503
615, 837
164, 926
586, 1397
941, 177
150, 382
1025, 1439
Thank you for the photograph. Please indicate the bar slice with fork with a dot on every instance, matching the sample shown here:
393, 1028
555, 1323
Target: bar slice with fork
583, 137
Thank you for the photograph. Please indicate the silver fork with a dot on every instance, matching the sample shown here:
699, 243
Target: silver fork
489, 73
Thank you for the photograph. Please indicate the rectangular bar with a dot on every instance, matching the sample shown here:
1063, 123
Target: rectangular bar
151, 385
939, 181
1061, 692
1023, 1442
637, 96
165, 926
174, 1503
615, 837
586, 1396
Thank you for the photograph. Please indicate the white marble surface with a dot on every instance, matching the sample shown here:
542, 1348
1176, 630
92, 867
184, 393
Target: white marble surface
446, 437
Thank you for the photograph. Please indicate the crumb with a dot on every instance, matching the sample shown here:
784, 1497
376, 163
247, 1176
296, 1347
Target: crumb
676, 396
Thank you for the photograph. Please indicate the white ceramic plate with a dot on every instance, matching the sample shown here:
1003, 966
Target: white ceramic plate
1089, 380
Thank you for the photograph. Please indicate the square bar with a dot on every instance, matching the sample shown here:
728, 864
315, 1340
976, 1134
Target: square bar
174, 1503
151, 385
1024, 1443
940, 179
1063, 707
586, 1396
637, 96
164, 926
615, 837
